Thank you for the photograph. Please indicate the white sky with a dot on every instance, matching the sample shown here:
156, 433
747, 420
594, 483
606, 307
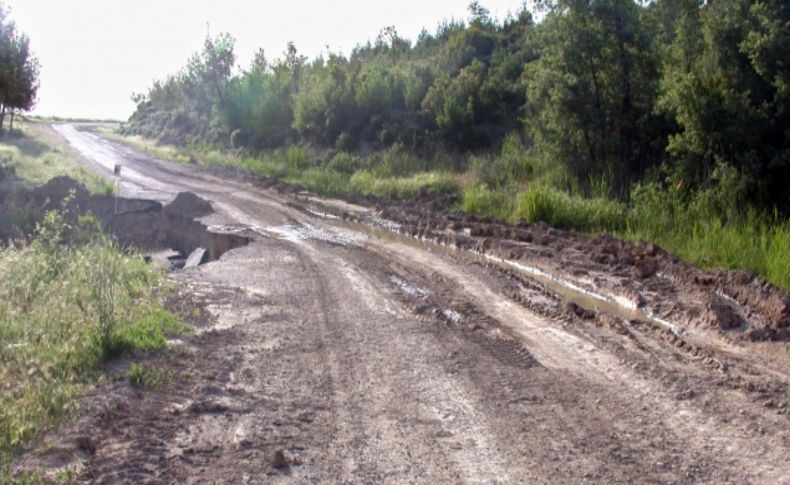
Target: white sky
95, 53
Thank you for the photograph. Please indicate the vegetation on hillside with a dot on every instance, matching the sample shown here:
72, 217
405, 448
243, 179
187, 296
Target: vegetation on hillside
665, 120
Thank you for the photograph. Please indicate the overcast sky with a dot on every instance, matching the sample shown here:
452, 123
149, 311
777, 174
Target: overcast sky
95, 53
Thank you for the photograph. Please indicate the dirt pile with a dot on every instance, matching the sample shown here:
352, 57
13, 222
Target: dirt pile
139, 223
189, 205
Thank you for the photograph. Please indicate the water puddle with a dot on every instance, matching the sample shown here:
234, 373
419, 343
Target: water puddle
451, 315
300, 232
408, 287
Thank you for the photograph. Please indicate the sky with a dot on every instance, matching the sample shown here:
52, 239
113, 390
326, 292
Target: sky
95, 53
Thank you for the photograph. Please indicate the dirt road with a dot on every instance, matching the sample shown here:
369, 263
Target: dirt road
371, 357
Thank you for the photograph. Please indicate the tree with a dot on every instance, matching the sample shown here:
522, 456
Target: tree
592, 93
19, 70
731, 98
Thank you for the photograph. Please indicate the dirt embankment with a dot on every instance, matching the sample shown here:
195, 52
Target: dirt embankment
146, 225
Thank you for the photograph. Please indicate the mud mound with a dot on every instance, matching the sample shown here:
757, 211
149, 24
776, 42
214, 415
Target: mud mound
187, 204
59, 188
139, 223
735, 304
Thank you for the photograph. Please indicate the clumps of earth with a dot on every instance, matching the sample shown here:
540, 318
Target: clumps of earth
737, 304
143, 224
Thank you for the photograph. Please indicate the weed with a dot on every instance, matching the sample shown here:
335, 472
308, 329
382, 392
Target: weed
64, 310
136, 375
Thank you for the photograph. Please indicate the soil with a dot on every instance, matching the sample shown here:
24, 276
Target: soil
350, 343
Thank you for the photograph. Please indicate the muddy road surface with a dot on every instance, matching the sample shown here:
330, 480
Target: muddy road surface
332, 351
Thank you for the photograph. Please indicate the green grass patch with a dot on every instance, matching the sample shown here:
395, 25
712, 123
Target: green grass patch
33, 154
366, 182
558, 209
481, 200
64, 311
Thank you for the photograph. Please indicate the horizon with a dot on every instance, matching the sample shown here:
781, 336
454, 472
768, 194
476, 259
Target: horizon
95, 54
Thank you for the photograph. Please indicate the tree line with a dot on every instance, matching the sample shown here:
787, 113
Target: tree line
19, 70
612, 90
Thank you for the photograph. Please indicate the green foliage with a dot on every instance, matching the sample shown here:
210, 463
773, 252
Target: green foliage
484, 201
599, 88
593, 91
190, 107
19, 69
558, 209
730, 97
136, 374
64, 310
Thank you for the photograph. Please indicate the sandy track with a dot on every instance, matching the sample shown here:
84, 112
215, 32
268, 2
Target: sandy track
372, 359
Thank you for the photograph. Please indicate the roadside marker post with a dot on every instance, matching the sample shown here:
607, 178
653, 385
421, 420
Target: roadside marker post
117, 173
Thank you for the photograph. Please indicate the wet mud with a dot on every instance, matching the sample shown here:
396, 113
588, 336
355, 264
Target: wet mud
636, 274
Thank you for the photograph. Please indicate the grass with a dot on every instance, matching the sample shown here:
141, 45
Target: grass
561, 210
366, 182
65, 310
712, 234
33, 154
484, 201
690, 229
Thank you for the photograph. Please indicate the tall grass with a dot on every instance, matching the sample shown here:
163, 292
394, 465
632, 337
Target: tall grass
481, 200
558, 209
64, 310
707, 228
697, 228
366, 182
